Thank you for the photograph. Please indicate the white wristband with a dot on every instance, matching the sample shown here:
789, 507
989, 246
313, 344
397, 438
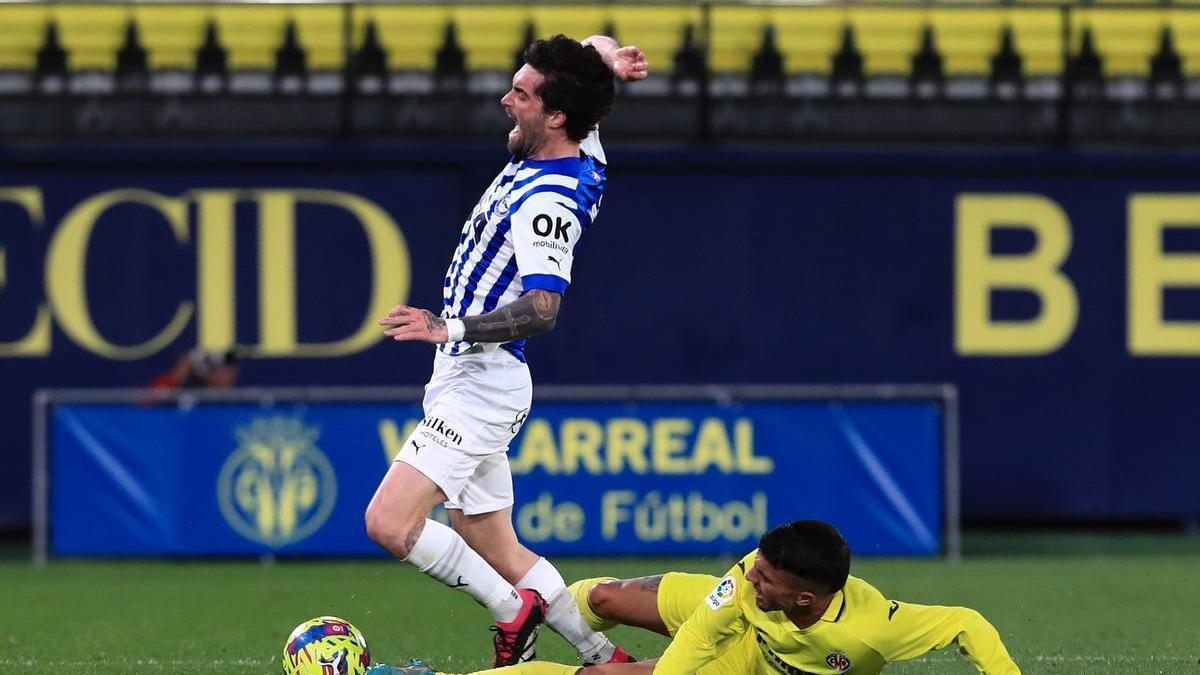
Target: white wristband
455, 330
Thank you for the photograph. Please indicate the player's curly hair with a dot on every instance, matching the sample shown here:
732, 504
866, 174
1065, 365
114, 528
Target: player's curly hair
577, 83
812, 550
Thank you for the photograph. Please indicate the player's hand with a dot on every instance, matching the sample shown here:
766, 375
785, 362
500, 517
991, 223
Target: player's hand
406, 324
630, 65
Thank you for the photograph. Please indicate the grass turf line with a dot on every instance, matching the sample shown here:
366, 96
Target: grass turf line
1066, 614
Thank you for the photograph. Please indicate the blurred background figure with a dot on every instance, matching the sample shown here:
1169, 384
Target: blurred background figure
200, 369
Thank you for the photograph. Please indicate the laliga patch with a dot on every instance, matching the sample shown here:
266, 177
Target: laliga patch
722, 594
838, 661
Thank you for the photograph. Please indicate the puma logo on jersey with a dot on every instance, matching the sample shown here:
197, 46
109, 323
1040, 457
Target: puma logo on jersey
459, 583
416, 447
555, 261
895, 606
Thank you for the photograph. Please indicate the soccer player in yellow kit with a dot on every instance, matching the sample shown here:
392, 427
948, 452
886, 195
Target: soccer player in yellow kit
790, 607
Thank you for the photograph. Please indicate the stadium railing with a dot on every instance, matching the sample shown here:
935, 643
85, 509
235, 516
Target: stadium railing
821, 60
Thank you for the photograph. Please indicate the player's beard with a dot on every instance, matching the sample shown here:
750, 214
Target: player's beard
528, 137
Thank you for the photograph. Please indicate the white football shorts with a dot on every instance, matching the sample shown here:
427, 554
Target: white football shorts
474, 405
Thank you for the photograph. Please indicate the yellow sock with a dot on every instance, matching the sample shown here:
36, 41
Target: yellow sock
533, 668
579, 590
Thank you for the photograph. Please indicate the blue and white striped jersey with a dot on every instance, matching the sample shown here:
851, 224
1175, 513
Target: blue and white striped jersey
523, 234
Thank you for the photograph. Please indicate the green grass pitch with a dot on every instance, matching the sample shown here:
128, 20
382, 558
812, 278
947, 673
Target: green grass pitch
1102, 607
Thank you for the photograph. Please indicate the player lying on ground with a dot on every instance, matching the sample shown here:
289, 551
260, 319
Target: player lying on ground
788, 607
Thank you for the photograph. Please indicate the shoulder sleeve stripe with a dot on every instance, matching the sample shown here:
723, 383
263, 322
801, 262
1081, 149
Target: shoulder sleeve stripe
547, 282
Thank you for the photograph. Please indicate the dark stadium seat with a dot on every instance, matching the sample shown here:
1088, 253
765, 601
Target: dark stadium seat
847, 54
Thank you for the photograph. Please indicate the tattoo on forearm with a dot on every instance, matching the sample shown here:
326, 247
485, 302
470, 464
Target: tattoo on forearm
530, 314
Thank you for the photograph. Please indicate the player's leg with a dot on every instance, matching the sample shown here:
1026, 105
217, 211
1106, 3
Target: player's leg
544, 668
658, 603
640, 668
628, 602
493, 536
580, 591
532, 668
424, 473
499, 400
418, 667
397, 511
491, 532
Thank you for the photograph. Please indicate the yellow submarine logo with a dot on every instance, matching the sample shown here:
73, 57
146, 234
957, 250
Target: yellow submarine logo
277, 488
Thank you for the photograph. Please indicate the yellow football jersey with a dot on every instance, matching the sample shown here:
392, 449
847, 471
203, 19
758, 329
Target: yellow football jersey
859, 633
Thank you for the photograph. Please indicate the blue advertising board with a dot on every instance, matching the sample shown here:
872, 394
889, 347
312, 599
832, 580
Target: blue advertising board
1059, 292
661, 477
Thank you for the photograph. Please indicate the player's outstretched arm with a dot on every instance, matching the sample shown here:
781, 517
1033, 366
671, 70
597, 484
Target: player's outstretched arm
917, 629
532, 313
628, 63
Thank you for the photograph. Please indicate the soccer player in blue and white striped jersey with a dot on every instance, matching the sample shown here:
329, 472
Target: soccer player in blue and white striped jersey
522, 234
505, 283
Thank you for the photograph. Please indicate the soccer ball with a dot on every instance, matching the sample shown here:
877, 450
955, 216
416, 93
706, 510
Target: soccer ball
326, 645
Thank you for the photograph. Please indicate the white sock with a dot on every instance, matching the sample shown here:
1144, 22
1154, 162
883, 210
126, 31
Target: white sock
563, 616
442, 554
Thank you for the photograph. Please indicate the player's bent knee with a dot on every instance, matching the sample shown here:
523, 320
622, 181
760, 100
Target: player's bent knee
604, 598
397, 511
376, 521
394, 532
